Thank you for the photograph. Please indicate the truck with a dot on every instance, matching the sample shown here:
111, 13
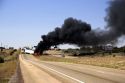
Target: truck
28, 51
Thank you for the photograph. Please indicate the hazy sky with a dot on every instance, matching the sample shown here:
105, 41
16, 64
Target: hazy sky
22, 22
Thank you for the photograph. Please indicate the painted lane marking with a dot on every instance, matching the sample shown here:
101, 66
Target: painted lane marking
79, 81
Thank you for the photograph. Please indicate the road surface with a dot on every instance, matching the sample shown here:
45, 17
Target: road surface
36, 71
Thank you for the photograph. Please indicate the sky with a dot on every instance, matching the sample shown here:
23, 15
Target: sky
22, 22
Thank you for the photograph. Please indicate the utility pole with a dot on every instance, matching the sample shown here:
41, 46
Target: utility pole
1, 47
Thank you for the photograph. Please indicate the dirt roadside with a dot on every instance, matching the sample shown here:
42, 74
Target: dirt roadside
17, 77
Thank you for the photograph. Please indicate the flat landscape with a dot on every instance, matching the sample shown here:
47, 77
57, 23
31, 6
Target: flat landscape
66, 71
109, 60
62, 41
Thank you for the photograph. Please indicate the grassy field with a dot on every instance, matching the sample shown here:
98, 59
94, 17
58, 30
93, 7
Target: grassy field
117, 62
7, 69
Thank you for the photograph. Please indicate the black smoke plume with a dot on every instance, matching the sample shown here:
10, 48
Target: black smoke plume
77, 32
116, 18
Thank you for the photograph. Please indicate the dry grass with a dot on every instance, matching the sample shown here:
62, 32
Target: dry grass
117, 62
7, 69
57, 59
8, 51
53, 52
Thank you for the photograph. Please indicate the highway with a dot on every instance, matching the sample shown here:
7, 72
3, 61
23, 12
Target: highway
36, 71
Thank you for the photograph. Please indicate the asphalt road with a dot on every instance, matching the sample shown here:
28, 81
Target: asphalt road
59, 72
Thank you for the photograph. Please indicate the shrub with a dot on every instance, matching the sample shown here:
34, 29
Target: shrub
1, 60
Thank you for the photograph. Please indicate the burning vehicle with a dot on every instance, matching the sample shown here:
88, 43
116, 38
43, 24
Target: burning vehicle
27, 50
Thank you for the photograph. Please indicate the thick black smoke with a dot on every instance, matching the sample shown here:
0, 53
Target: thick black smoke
115, 25
116, 18
77, 32
72, 32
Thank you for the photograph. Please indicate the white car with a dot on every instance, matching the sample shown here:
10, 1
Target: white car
28, 51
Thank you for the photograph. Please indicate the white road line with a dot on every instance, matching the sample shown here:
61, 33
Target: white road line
79, 81
100, 71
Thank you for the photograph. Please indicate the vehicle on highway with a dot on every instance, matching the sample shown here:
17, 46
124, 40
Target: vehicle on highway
27, 50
